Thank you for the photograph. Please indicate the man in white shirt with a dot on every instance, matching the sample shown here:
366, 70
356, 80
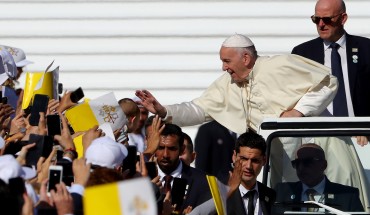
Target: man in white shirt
253, 88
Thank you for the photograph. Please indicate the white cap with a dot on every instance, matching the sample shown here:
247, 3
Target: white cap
237, 41
8, 69
18, 55
105, 152
10, 168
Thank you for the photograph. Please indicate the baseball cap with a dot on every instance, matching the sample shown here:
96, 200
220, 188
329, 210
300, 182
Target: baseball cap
105, 152
8, 69
18, 55
10, 168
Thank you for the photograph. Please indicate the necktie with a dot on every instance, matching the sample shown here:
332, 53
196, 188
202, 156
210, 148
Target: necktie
167, 183
250, 196
339, 102
310, 195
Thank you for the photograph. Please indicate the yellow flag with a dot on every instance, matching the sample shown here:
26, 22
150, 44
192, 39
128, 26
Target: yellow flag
218, 194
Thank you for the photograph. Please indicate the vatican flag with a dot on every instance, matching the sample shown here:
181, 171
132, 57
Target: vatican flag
45, 83
104, 109
129, 197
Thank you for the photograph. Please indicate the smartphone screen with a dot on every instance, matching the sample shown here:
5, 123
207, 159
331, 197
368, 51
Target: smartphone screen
55, 177
44, 146
53, 125
40, 104
152, 169
67, 177
77, 95
130, 161
178, 192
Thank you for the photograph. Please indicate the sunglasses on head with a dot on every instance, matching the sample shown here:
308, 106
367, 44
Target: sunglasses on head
304, 162
327, 20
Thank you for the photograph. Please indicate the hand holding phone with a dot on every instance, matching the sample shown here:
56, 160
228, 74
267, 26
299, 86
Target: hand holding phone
151, 167
77, 95
53, 125
178, 192
55, 177
130, 161
40, 104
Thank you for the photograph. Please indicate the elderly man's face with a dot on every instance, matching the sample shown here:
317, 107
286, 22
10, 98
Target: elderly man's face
234, 63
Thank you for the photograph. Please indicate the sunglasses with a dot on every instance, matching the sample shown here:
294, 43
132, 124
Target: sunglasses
305, 162
326, 20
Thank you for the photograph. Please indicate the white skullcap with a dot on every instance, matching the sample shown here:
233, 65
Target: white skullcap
18, 55
237, 41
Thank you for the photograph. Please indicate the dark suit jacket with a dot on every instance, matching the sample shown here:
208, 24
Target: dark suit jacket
235, 204
214, 146
339, 196
198, 190
358, 73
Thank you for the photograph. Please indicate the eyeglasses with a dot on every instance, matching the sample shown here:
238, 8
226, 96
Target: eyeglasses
326, 20
305, 162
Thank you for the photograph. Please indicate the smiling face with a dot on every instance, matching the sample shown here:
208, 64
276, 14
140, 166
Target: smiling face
252, 162
335, 29
235, 61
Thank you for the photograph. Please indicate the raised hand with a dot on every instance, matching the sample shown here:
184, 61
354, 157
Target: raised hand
151, 103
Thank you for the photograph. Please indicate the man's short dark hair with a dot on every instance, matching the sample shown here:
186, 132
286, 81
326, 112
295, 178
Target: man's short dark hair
190, 145
172, 129
251, 140
149, 121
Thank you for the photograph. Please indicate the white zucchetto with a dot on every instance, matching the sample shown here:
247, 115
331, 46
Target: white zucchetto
237, 41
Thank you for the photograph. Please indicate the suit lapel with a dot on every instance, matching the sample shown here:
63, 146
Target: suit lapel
318, 51
263, 199
186, 174
352, 51
235, 204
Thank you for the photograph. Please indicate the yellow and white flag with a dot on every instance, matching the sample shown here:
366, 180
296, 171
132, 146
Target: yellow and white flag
104, 109
130, 197
45, 83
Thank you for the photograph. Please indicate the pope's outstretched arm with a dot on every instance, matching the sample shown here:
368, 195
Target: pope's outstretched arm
151, 103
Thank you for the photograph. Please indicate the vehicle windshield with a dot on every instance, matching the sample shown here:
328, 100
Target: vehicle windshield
316, 166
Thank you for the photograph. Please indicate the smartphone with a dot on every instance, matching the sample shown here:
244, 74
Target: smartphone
130, 161
55, 177
178, 192
53, 124
151, 166
43, 148
67, 177
17, 188
40, 104
4, 100
77, 95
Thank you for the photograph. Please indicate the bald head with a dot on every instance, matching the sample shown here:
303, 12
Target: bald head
338, 6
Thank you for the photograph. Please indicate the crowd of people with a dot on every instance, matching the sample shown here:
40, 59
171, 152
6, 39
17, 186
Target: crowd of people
325, 76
